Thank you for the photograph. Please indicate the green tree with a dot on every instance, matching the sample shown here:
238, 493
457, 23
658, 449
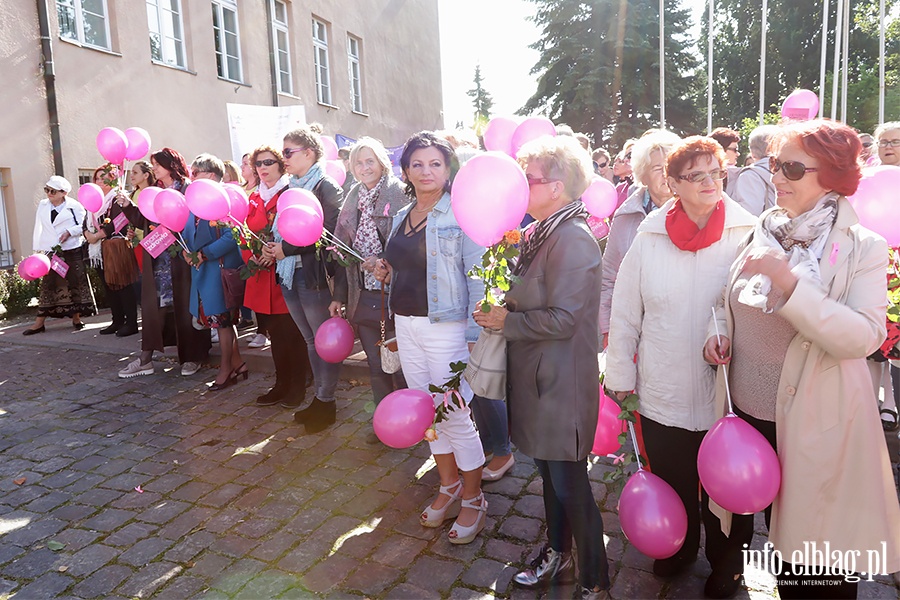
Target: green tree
481, 98
598, 69
793, 50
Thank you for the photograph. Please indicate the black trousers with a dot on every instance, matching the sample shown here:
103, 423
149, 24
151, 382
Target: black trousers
672, 454
289, 353
571, 510
122, 303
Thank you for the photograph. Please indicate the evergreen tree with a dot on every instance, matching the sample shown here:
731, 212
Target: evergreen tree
599, 67
481, 99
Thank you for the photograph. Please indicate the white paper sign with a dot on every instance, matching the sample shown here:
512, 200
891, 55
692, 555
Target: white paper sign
252, 126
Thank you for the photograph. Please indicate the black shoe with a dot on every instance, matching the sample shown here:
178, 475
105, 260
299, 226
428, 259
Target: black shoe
78, 326
271, 397
111, 329
40, 329
667, 568
244, 324
293, 400
722, 583
549, 566
302, 416
322, 419
126, 330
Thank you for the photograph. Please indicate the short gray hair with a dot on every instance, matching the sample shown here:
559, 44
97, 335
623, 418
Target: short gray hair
207, 163
885, 127
562, 158
643, 149
377, 149
759, 140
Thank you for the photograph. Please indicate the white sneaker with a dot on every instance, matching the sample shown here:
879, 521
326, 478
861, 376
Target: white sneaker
259, 341
189, 368
214, 336
135, 369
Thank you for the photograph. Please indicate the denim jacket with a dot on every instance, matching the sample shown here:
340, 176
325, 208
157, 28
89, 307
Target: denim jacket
452, 294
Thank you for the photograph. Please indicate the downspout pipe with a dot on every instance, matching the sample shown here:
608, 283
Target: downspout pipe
273, 68
50, 84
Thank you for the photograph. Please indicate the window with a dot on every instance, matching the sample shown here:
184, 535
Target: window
6, 249
355, 76
84, 21
166, 32
85, 176
225, 32
282, 47
320, 48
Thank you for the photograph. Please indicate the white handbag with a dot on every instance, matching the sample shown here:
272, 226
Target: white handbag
486, 369
390, 357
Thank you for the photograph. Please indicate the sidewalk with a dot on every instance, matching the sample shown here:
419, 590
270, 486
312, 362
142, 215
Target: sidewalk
155, 487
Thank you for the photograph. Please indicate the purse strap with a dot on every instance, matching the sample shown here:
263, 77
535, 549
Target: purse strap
382, 315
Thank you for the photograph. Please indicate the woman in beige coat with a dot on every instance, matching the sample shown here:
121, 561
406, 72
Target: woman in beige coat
804, 305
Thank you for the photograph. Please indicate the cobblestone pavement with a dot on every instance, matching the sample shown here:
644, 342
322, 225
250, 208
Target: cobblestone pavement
153, 487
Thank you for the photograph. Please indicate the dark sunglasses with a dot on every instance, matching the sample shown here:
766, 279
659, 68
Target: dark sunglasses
867, 144
50, 190
539, 181
267, 162
599, 166
700, 176
289, 152
791, 169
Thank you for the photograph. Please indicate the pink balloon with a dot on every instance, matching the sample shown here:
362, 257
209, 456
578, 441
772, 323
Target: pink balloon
299, 197
237, 200
334, 340
300, 225
600, 197
801, 105
91, 197
145, 203
171, 209
336, 170
112, 144
34, 267
207, 199
599, 227
875, 202
738, 467
401, 418
498, 135
138, 143
489, 197
609, 426
652, 515
330, 147
531, 129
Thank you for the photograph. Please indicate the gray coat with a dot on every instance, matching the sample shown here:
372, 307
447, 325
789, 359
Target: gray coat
553, 345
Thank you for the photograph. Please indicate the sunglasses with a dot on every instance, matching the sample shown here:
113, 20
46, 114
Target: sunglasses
700, 176
791, 169
289, 152
886, 143
868, 144
603, 166
268, 162
734, 149
532, 181
50, 190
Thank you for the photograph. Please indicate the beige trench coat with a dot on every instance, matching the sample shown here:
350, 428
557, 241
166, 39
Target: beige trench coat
836, 483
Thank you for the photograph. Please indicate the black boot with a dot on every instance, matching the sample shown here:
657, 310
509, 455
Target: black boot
273, 396
307, 414
113, 328
323, 418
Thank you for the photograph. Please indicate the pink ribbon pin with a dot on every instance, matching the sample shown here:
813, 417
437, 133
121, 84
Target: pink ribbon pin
835, 248
387, 208
619, 459
450, 394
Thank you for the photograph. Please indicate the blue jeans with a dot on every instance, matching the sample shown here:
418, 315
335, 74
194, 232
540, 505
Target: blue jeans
309, 308
493, 426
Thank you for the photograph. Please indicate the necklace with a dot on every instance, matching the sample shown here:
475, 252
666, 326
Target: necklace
424, 210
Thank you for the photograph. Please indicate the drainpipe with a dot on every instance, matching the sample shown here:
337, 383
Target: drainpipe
50, 84
273, 68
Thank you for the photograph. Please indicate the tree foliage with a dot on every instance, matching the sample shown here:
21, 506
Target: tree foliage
599, 67
481, 98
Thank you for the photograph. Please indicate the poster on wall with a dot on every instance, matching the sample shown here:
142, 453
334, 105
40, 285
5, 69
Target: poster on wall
251, 126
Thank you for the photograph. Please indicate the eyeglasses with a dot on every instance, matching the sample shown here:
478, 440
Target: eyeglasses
267, 162
603, 166
532, 181
700, 176
289, 152
50, 190
867, 144
736, 149
891, 143
791, 169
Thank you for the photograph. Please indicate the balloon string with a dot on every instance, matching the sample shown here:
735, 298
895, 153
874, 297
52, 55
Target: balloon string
637, 451
724, 368
181, 241
333, 239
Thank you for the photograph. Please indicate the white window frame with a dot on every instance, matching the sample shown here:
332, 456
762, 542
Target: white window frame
355, 67
6, 249
79, 11
282, 55
166, 57
223, 68
320, 49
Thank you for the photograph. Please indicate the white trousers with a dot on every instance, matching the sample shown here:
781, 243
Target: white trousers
426, 351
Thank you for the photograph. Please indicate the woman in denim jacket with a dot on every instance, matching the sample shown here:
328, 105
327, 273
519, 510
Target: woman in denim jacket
426, 262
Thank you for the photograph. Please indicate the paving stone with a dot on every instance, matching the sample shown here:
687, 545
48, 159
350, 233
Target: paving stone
435, 574
464, 593
531, 506
7, 586
210, 565
238, 575
399, 551
9, 552
74, 512
30, 565
504, 551
224, 520
186, 522
49, 585
145, 551
372, 579
307, 521
75, 539
33, 531
48, 502
148, 579
182, 586
90, 559
163, 512
191, 546
235, 545
97, 497
24, 494
222, 495
109, 519
101, 583
268, 584
328, 573
522, 528
193, 491
407, 591
485, 573
274, 546
630, 583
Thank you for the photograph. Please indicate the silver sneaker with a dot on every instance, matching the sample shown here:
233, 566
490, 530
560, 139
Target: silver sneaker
549, 566
189, 368
590, 594
136, 369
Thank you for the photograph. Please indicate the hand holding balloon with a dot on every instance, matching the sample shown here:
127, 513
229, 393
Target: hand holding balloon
717, 351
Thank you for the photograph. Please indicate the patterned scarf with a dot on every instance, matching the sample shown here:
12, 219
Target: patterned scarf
367, 242
538, 232
285, 267
802, 239
267, 193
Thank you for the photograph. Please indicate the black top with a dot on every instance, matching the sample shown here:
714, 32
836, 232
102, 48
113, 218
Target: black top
407, 255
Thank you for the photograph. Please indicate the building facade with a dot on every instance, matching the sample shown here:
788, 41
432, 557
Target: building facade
359, 67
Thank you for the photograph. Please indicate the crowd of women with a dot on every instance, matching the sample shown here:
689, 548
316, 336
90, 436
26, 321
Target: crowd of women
791, 303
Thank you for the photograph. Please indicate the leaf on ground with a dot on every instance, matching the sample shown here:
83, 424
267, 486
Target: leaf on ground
55, 546
19, 481
369, 407
62, 568
290, 439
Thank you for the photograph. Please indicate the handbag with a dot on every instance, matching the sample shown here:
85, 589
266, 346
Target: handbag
486, 369
390, 357
233, 285
120, 267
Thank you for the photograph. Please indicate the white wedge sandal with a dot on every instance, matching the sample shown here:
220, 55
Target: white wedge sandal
461, 534
435, 517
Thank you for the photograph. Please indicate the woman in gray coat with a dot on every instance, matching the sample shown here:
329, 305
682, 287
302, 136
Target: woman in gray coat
550, 322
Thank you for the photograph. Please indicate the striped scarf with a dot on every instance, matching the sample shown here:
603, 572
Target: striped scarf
538, 232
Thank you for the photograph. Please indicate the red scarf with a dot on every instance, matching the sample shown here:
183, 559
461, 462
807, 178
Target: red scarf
685, 234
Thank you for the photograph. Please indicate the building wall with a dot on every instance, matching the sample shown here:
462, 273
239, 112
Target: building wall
186, 109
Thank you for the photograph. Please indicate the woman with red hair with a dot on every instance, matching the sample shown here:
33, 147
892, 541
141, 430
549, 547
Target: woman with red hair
804, 305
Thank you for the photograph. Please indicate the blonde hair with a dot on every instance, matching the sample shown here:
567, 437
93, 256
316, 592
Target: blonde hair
561, 158
233, 172
377, 149
643, 149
